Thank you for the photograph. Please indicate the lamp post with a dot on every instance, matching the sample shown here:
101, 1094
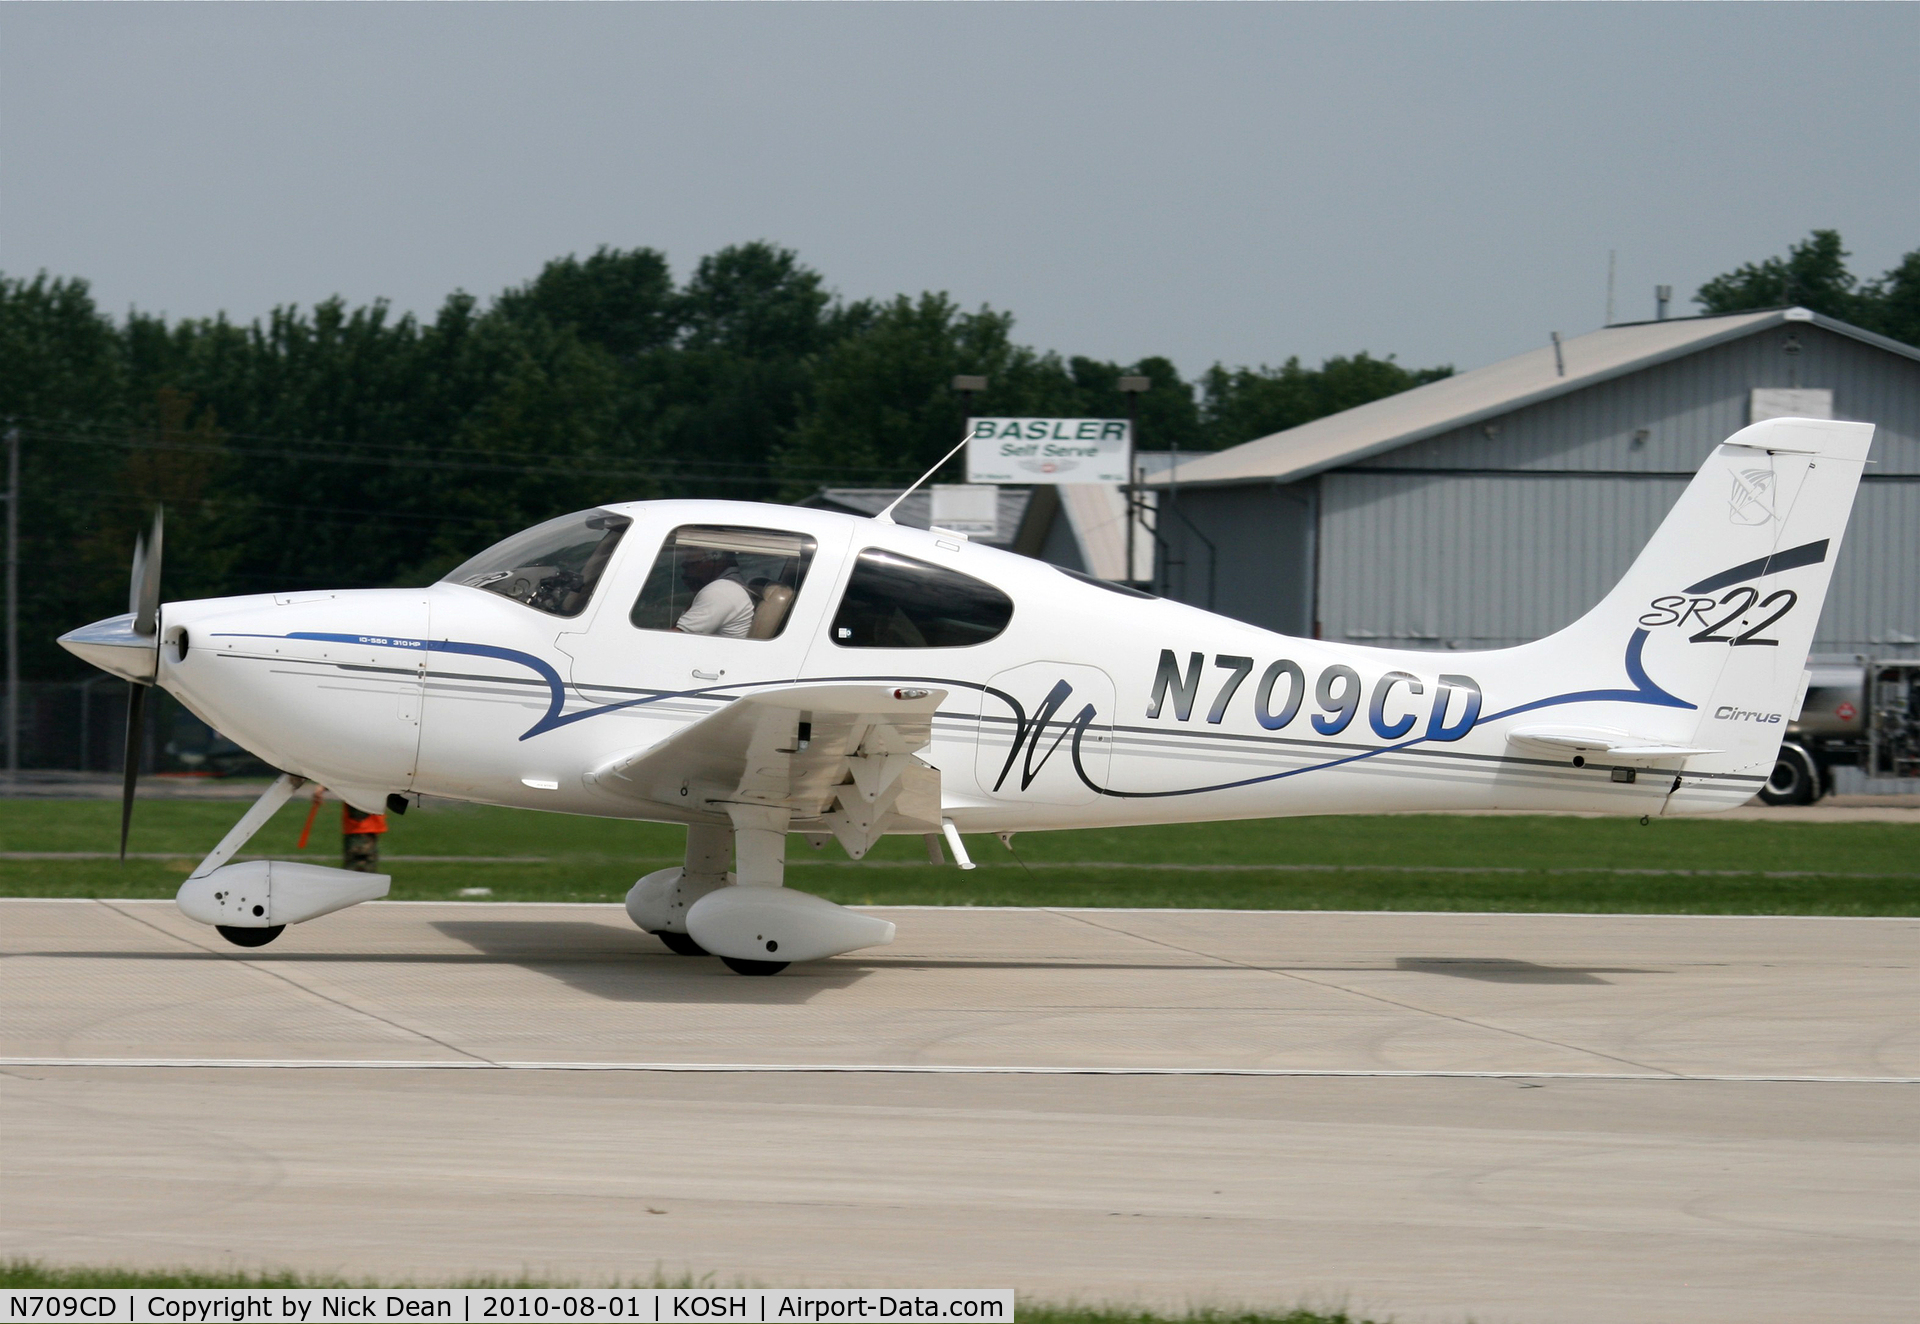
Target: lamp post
1132, 387
966, 385
13, 605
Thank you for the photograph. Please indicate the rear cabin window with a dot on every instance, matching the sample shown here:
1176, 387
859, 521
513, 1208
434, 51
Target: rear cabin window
894, 601
736, 583
550, 567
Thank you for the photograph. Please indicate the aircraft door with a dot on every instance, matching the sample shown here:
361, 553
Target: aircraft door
704, 608
1046, 733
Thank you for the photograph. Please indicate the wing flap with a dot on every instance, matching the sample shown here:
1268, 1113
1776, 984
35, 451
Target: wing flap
839, 754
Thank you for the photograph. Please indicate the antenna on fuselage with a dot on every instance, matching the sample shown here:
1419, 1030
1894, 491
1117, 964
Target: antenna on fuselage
886, 516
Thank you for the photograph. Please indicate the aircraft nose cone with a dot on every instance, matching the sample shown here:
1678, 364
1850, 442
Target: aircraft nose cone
114, 647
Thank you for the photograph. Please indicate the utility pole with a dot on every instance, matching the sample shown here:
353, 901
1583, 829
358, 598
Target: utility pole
13, 605
1132, 387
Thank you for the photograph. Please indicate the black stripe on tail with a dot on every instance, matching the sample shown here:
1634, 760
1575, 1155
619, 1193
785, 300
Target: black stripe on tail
1812, 553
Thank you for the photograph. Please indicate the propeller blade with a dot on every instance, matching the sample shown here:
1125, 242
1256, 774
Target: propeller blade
143, 597
143, 600
136, 742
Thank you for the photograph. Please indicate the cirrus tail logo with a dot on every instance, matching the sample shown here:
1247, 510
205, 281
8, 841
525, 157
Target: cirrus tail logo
1751, 500
1728, 713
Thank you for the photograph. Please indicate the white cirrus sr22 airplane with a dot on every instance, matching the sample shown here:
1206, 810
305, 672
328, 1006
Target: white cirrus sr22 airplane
754, 670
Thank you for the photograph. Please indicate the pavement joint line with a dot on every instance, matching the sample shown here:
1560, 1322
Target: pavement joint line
320, 995
1070, 910
923, 1069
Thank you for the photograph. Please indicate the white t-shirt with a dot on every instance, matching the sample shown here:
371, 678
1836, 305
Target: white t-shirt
724, 608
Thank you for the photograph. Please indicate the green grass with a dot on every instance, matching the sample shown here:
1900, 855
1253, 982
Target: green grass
29, 1274
19, 1273
1412, 862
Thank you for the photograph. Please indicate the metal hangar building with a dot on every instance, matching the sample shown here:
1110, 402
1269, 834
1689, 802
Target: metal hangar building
1495, 506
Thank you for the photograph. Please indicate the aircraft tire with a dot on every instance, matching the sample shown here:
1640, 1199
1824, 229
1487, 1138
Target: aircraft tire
745, 966
1795, 780
240, 937
680, 944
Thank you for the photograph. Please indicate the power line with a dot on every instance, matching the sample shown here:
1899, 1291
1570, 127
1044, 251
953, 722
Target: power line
659, 472
312, 448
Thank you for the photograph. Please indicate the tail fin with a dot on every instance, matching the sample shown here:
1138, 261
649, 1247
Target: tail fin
1718, 613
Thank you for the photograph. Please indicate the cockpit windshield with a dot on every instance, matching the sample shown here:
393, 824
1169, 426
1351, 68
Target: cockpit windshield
550, 567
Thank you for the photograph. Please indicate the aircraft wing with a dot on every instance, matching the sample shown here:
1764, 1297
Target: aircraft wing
1595, 742
840, 757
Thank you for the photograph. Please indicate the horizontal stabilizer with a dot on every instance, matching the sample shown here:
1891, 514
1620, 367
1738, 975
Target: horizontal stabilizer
1596, 742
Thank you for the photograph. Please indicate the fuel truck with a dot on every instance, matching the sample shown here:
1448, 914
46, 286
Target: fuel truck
1858, 713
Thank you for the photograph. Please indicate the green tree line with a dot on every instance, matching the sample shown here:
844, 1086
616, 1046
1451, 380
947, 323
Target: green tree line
1814, 275
345, 446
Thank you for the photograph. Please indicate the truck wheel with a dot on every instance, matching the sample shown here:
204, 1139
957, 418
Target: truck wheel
1794, 780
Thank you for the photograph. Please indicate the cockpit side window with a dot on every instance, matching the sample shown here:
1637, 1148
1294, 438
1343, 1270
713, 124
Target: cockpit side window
894, 601
735, 583
550, 567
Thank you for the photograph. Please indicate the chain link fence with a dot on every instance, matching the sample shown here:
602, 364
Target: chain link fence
81, 726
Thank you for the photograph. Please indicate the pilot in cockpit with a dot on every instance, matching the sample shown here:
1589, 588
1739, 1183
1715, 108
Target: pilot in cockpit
721, 603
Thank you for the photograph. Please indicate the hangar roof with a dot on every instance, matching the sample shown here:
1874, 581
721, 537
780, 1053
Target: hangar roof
1499, 388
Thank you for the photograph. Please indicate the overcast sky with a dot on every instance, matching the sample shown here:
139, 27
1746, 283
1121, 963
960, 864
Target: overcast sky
1211, 182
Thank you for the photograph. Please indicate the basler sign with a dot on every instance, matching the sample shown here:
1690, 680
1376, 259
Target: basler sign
1048, 450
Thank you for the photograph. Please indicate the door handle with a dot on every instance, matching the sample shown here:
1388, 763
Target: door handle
698, 674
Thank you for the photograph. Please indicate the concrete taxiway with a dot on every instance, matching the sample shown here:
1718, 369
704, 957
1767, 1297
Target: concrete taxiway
1507, 1117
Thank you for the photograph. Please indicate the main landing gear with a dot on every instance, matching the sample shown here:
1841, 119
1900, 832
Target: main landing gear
745, 916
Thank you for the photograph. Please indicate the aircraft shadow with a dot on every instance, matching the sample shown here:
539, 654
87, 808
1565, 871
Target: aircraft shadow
587, 944
1503, 970
623, 966
644, 950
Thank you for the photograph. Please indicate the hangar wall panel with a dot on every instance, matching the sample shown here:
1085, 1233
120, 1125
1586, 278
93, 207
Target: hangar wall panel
1685, 408
1489, 561
1264, 539
1426, 561
1874, 604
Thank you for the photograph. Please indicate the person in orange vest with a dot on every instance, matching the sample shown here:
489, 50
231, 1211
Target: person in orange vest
359, 834
360, 838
